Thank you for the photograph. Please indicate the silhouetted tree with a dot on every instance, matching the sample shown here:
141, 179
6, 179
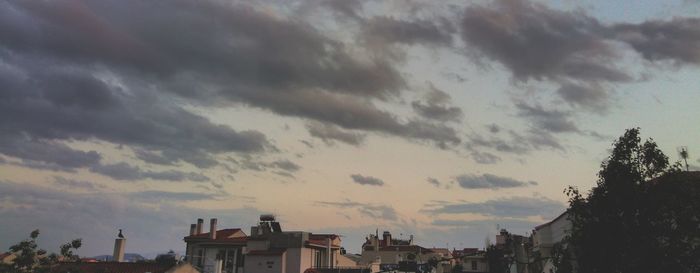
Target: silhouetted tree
30, 258
168, 258
499, 259
642, 216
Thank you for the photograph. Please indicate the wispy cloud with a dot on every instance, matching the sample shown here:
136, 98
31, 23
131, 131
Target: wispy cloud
512, 207
490, 181
366, 180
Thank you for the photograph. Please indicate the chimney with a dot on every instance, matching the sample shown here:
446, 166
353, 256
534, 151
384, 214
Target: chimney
200, 223
193, 229
119, 245
212, 228
387, 238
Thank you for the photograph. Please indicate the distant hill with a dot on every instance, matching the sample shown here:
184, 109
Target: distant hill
128, 257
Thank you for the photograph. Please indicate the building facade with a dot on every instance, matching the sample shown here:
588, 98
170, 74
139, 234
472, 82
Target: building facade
217, 251
267, 249
546, 236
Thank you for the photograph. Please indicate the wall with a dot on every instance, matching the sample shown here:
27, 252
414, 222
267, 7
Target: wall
481, 264
390, 257
265, 264
294, 261
345, 261
209, 260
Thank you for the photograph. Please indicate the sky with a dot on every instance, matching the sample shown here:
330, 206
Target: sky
445, 120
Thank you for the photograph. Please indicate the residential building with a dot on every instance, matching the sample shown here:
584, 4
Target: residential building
546, 236
444, 258
390, 253
216, 251
519, 250
267, 249
271, 250
471, 260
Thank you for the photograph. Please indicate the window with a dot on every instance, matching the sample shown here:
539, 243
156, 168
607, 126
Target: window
474, 265
199, 258
317, 258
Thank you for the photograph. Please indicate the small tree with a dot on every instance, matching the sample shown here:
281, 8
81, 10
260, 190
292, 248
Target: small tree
167, 258
30, 258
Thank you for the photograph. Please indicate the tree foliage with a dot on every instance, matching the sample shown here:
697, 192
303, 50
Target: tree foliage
642, 216
30, 258
499, 259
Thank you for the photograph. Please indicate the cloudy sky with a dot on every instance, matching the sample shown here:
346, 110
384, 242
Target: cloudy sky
441, 119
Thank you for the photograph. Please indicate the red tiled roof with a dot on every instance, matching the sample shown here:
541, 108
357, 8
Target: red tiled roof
223, 235
112, 267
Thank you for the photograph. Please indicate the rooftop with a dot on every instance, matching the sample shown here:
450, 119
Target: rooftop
231, 235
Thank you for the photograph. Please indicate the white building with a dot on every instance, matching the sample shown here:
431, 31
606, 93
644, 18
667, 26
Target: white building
266, 250
217, 251
545, 236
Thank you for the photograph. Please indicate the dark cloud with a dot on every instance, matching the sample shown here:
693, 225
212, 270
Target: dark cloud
349, 8
76, 184
366, 180
493, 128
513, 207
515, 143
159, 196
286, 165
475, 142
127, 172
330, 133
307, 143
504, 223
536, 42
373, 211
677, 40
154, 157
484, 157
350, 112
41, 113
572, 49
434, 182
45, 154
84, 71
387, 30
436, 106
285, 174
554, 121
588, 95
490, 181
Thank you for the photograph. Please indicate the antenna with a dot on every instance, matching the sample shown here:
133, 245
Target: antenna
683, 152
